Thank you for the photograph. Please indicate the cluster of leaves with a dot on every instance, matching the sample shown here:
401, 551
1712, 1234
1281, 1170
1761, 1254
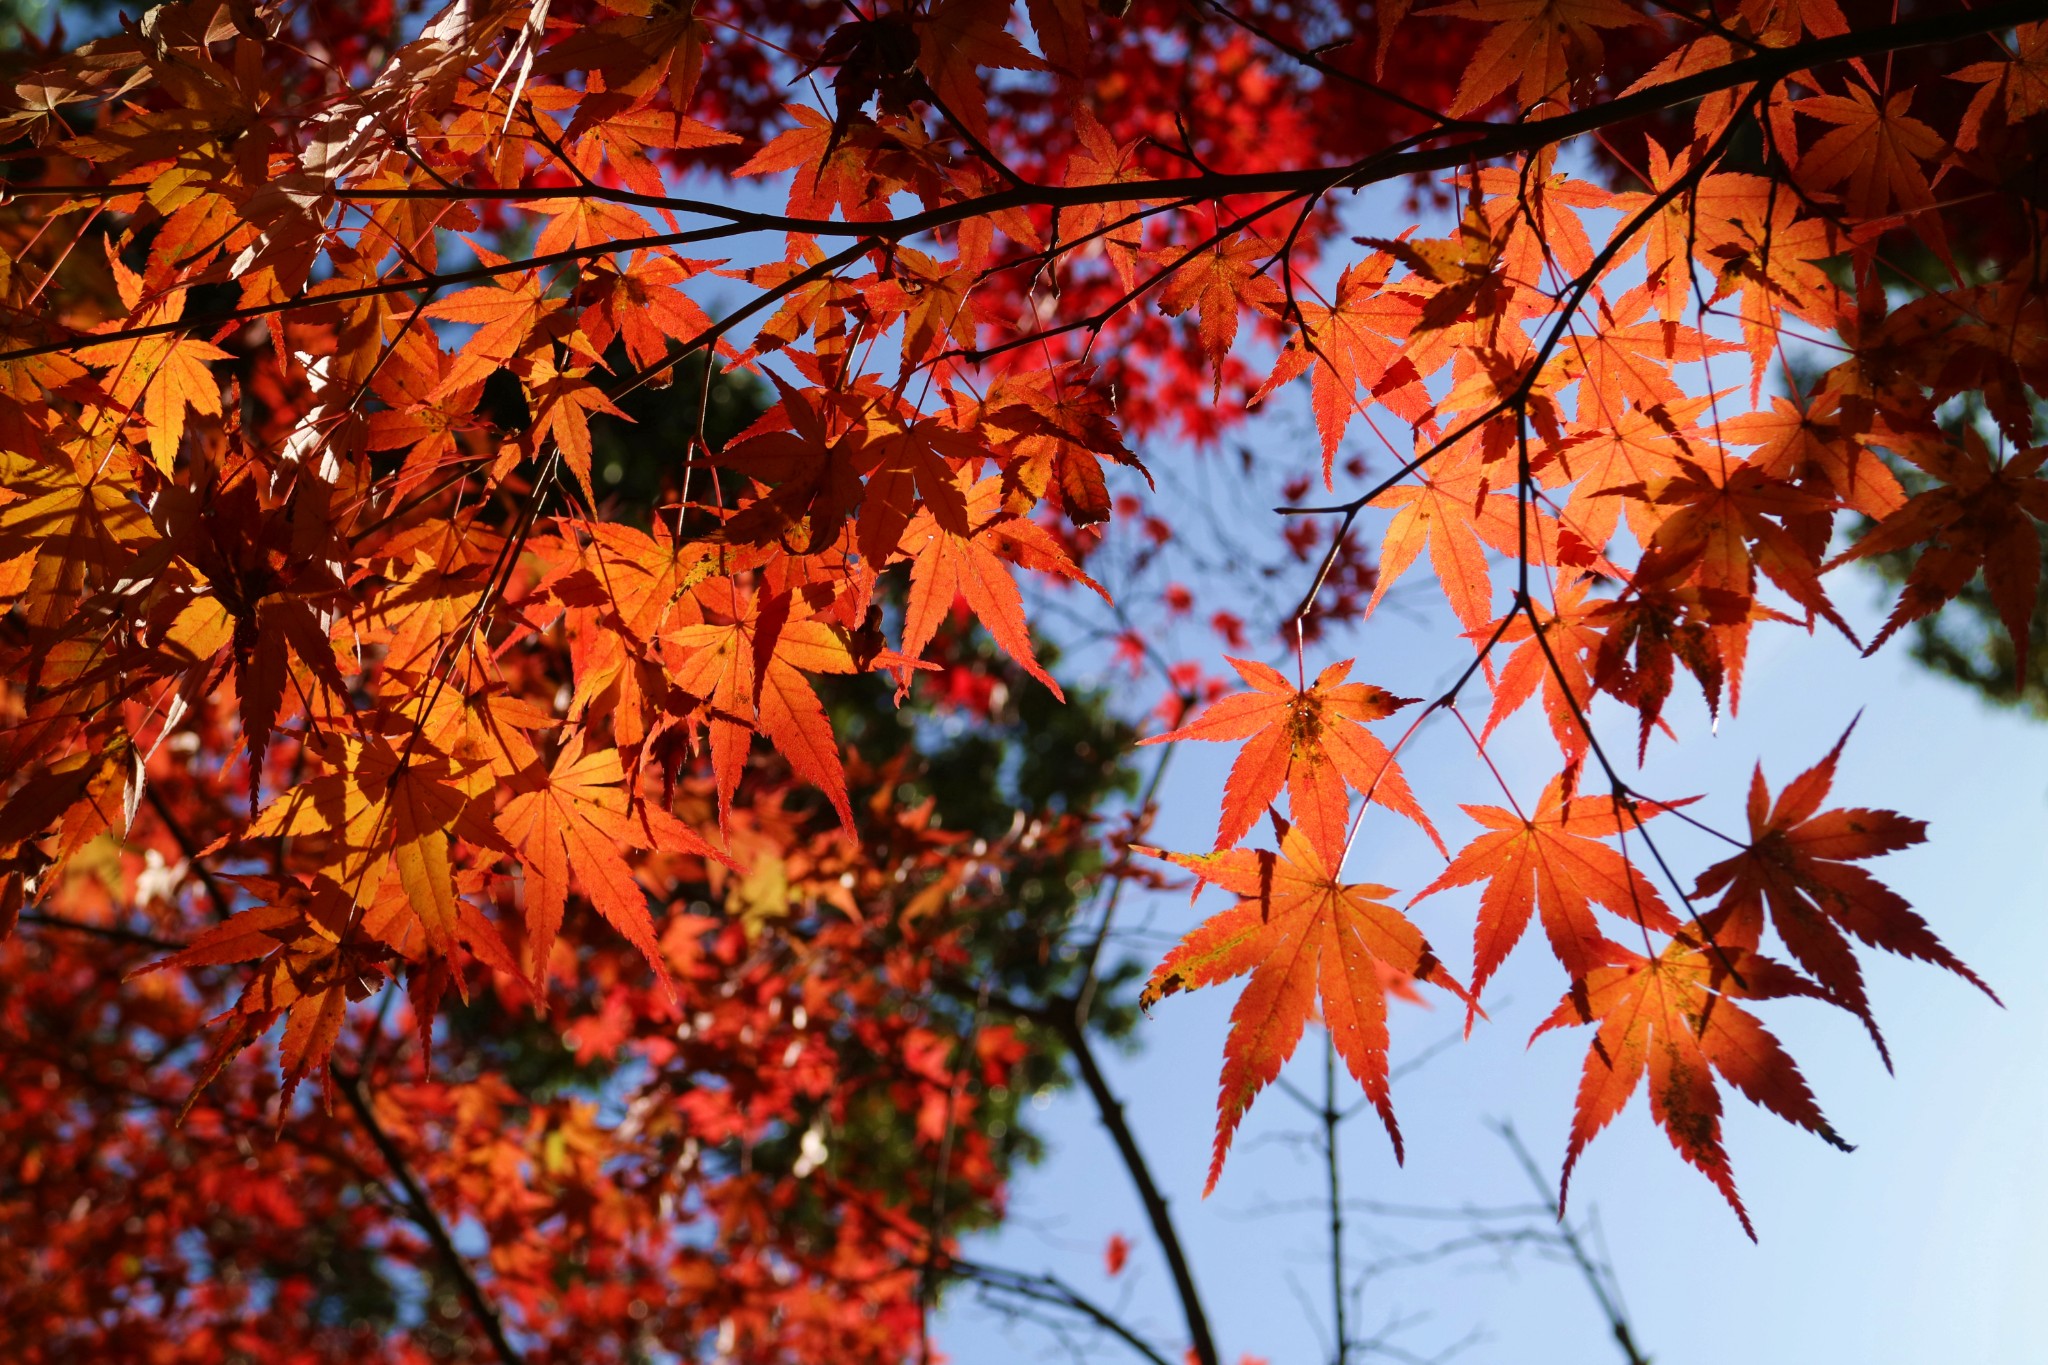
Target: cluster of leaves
318, 328
759, 1161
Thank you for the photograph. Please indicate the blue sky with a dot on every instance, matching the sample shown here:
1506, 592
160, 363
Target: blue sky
1923, 1244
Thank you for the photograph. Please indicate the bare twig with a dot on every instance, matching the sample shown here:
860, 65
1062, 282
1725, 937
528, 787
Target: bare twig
1608, 1299
1045, 1288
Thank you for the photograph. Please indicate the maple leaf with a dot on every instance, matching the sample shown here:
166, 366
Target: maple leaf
83, 533
1553, 863
584, 222
1725, 228
1877, 150
2019, 84
317, 957
1099, 160
1674, 1017
1303, 937
1799, 866
1060, 427
1814, 441
932, 296
264, 599
1762, 248
1627, 358
379, 811
1606, 456
750, 672
569, 825
1534, 45
1569, 641
1461, 275
608, 131
1215, 283
1669, 236
946, 563
642, 575
830, 169
1354, 343
1724, 522
644, 305
1982, 517
160, 377
1534, 206
1648, 631
637, 52
957, 38
815, 467
1062, 29
563, 402
1312, 741
917, 466
1452, 510
81, 796
504, 316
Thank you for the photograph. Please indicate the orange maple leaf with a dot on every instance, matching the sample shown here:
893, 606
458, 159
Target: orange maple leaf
504, 316
1608, 454
750, 673
1649, 630
1876, 149
1812, 441
1314, 742
1552, 863
1534, 45
1451, 508
1627, 358
1566, 648
958, 38
1673, 1015
379, 810
1215, 284
563, 402
1100, 161
946, 563
1354, 343
160, 377
2019, 84
569, 825
1724, 520
1303, 936
317, 956
1060, 428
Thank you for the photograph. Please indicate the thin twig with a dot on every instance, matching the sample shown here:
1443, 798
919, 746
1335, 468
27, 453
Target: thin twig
1610, 1302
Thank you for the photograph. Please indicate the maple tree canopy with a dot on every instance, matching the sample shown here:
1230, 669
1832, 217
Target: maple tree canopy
475, 487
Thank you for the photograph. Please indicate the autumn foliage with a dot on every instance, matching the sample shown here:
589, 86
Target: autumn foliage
390, 784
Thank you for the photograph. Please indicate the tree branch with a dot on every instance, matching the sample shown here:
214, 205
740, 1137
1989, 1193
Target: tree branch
429, 1222
1617, 1319
1053, 1290
1406, 159
1330, 1120
1111, 1111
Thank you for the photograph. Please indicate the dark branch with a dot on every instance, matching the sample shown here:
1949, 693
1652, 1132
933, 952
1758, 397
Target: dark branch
429, 1222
